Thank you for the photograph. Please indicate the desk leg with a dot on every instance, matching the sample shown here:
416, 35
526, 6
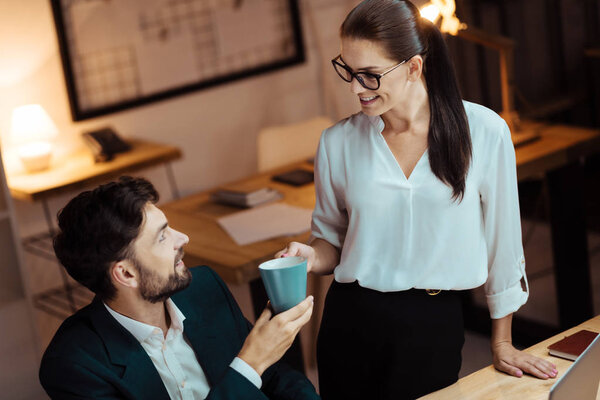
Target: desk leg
569, 243
293, 357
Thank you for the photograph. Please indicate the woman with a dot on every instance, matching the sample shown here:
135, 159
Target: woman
416, 200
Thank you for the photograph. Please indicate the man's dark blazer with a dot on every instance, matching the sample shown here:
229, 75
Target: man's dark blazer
93, 356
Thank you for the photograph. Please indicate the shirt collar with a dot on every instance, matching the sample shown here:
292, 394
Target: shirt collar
142, 331
376, 121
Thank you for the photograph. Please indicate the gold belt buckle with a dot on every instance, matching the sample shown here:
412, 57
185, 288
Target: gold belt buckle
433, 292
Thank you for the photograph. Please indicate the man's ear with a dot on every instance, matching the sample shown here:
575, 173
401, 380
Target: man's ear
123, 273
415, 68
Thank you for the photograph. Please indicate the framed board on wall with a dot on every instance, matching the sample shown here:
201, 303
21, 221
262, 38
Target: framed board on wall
122, 54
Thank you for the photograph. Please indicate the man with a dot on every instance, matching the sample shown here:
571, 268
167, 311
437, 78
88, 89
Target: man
155, 329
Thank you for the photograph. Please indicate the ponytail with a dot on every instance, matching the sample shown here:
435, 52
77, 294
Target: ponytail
449, 139
398, 26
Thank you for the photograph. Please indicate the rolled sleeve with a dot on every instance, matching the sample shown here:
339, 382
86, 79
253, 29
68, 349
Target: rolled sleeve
510, 300
502, 230
246, 371
329, 219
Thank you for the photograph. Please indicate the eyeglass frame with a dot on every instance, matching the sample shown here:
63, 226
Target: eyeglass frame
354, 75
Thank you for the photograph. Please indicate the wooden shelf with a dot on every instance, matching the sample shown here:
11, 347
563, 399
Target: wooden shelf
78, 170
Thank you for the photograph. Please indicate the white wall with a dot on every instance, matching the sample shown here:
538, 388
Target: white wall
216, 128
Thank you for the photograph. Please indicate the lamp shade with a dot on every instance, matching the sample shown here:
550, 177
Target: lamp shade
445, 9
31, 123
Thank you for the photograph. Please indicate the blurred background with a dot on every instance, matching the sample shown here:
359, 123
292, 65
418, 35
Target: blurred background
553, 49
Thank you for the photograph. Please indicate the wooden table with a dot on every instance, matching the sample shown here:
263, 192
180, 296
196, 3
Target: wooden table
558, 146
76, 172
490, 384
197, 215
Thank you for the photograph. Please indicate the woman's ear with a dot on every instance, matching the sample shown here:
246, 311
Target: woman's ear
415, 68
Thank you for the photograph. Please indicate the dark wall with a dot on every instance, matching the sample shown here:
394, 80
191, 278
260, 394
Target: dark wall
554, 79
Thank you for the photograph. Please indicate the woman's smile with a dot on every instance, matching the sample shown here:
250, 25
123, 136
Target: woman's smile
365, 101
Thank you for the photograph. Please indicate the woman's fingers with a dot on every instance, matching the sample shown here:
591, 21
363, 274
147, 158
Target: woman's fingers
509, 369
281, 253
522, 362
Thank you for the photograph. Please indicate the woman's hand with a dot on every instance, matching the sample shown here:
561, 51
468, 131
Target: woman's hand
515, 362
321, 256
512, 361
299, 249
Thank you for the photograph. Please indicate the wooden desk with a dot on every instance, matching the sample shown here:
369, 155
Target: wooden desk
209, 244
490, 384
76, 172
558, 145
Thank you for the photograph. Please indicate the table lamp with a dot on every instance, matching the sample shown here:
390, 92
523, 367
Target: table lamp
32, 131
442, 11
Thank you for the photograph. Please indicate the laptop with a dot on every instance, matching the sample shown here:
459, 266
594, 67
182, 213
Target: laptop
581, 380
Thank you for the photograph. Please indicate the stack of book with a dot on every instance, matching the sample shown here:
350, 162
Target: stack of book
245, 195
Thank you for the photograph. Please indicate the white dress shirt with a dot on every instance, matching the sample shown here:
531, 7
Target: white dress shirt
174, 358
397, 233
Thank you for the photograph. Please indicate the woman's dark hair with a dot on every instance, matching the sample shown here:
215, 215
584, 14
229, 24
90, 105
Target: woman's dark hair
398, 27
97, 228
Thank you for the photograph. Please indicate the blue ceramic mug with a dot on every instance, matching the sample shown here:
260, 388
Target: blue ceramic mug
285, 281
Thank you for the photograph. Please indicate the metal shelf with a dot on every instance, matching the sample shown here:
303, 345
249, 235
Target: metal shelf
56, 301
61, 301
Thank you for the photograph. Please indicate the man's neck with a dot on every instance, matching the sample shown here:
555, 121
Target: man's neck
154, 314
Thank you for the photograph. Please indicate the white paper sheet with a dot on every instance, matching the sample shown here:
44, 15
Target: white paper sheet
266, 222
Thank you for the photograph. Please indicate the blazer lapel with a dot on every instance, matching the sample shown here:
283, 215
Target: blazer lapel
140, 378
208, 346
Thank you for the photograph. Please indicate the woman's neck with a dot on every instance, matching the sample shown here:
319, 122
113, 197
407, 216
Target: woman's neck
412, 116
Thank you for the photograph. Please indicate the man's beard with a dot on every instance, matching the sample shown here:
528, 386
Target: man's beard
155, 289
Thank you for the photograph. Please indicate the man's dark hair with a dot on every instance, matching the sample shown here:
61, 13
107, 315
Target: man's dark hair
97, 228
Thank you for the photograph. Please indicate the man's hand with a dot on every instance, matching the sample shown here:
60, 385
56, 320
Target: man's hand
270, 338
515, 362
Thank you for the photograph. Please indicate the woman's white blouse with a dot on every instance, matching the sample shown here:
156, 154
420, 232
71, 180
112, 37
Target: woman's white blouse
397, 233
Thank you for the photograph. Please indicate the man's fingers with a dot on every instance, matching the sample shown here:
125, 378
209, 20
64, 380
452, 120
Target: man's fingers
298, 323
265, 316
296, 311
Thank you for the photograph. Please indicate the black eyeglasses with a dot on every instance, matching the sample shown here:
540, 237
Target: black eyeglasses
367, 80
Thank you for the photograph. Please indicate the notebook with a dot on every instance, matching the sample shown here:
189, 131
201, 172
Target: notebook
297, 177
581, 380
572, 346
